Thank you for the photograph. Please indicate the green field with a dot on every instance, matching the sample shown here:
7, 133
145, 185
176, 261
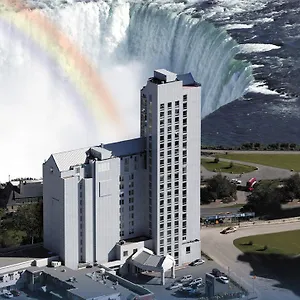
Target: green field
283, 161
285, 243
224, 167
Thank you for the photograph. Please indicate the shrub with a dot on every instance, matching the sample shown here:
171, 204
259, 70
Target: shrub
216, 160
265, 248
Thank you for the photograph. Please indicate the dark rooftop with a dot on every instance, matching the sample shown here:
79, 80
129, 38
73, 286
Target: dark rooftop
128, 147
187, 80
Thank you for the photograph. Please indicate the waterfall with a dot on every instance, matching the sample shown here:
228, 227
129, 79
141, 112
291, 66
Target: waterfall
125, 41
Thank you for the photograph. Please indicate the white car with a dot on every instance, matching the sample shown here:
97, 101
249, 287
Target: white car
8, 294
174, 285
236, 181
196, 281
186, 278
197, 262
224, 279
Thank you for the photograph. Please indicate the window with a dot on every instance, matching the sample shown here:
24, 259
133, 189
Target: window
162, 106
184, 97
169, 104
125, 253
188, 250
134, 251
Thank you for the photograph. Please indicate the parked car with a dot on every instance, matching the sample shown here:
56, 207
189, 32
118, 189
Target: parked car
197, 262
15, 293
186, 278
223, 279
8, 294
196, 281
186, 289
216, 272
174, 285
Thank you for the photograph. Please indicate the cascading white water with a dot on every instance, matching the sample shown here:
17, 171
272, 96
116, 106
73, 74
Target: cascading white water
125, 41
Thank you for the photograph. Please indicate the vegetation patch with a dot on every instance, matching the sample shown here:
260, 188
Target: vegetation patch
284, 243
215, 165
268, 196
282, 161
25, 226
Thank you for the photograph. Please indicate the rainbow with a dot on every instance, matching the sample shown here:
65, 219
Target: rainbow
80, 72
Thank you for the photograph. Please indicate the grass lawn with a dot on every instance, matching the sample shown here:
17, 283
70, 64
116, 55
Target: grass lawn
285, 243
224, 166
283, 161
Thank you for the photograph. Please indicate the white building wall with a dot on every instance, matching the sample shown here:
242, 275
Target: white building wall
86, 229
132, 196
53, 208
193, 174
174, 168
106, 186
71, 229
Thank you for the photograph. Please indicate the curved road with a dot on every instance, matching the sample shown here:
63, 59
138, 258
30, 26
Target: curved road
263, 172
221, 249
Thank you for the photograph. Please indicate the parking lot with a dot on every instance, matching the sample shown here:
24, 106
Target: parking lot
161, 292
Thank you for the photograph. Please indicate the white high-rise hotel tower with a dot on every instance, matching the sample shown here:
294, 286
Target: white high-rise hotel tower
137, 199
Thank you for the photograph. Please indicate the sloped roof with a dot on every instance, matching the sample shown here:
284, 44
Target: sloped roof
145, 258
66, 159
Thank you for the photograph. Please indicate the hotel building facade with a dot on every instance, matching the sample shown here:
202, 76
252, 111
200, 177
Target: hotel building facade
132, 199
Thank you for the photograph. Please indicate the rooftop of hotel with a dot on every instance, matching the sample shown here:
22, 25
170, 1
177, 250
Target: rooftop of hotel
86, 283
162, 76
22, 255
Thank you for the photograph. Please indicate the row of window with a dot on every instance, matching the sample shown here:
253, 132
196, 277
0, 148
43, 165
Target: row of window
130, 177
177, 103
162, 218
176, 130
169, 239
169, 139
169, 201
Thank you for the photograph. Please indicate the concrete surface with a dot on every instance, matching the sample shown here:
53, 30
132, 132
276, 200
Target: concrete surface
161, 293
221, 249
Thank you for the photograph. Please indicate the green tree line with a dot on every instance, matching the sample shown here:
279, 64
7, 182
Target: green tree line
25, 226
257, 147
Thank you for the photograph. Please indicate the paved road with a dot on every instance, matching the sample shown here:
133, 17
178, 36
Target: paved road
263, 172
221, 249
211, 211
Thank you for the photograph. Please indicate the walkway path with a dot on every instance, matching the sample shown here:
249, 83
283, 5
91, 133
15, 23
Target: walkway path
221, 249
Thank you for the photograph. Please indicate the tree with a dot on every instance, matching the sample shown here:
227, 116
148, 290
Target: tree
266, 198
2, 213
12, 238
29, 218
220, 187
292, 186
